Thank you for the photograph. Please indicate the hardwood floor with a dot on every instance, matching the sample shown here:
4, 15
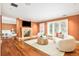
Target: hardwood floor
19, 48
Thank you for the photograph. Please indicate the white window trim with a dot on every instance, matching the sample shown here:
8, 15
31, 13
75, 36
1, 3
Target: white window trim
48, 23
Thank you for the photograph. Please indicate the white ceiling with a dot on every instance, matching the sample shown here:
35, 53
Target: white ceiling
40, 11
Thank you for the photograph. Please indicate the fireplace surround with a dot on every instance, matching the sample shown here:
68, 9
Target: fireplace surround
26, 32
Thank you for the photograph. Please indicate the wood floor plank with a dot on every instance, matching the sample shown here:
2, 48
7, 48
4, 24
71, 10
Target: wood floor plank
19, 48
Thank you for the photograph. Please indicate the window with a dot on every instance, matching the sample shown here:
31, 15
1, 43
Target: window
50, 28
57, 27
42, 27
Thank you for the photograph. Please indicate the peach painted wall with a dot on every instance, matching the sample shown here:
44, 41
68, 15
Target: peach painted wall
74, 26
35, 28
19, 27
8, 26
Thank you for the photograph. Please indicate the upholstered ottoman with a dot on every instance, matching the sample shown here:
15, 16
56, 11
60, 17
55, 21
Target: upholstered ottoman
42, 41
67, 45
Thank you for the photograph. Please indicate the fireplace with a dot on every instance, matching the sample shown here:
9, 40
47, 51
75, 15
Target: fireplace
26, 32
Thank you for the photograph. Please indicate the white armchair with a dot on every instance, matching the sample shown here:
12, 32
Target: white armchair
68, 44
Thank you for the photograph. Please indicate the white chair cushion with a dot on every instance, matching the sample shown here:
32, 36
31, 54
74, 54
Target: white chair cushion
68, 44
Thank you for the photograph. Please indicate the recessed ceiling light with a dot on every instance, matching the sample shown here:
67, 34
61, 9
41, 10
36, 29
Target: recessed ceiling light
27, 4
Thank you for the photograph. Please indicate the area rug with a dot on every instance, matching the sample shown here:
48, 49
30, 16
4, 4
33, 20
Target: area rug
49, 49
